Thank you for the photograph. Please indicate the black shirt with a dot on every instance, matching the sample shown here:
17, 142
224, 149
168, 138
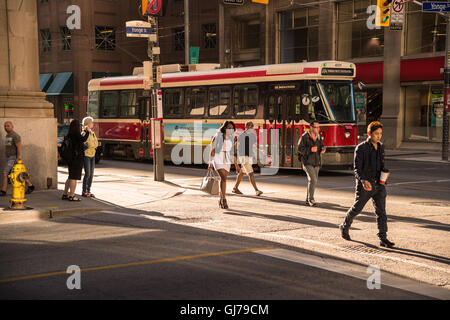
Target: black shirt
368, 161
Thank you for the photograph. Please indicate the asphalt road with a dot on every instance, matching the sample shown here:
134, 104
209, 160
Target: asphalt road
269, 247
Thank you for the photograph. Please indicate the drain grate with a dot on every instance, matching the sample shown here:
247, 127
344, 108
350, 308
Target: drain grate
362, 249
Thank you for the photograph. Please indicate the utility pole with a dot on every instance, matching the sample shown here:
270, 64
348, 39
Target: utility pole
186, 32
158, 153
445, 123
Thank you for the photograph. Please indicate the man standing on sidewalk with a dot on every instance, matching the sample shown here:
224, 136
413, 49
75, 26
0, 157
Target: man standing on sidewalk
245, 149
13, 153
368, 165
310, 150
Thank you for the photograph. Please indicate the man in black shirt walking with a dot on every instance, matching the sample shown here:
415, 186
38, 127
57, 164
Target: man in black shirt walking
368, 165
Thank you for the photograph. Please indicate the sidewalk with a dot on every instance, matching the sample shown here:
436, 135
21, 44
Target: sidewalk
45, 204
415, 155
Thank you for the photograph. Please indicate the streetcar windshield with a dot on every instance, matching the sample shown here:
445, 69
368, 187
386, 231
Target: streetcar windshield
339, 96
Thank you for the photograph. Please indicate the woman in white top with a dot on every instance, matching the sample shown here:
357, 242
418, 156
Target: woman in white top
223, 154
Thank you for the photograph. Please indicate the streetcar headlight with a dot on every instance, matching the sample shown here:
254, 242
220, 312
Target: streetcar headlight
347, 134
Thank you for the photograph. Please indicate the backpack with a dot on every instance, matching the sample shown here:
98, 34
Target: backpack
66, 151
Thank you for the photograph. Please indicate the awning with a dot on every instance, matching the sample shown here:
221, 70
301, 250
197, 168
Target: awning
61, 85
44, 81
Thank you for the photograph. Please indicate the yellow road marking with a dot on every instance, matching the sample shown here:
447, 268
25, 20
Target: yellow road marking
133, 264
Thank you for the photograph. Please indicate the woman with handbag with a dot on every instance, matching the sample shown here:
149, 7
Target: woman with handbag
75, 163
222, 149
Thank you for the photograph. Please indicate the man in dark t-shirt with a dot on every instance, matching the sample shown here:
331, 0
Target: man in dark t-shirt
13, 153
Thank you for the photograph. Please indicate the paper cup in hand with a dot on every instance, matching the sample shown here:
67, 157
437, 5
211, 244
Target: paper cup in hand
384, 176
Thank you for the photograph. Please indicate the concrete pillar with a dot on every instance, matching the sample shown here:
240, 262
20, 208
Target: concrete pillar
21, 100
393, 95
327, 31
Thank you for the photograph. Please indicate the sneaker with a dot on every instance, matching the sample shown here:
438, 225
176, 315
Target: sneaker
30, 189
258, 193
236, 191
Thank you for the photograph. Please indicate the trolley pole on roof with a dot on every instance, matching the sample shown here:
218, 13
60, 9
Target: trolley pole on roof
156, 111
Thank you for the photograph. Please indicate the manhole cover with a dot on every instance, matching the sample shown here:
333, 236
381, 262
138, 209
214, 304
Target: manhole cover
362, 249
433, 203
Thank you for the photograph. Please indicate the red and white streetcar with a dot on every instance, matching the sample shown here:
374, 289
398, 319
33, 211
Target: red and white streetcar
282, 96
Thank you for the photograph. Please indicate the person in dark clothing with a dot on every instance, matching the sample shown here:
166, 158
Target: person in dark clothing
368, 165
310, 149
76, 163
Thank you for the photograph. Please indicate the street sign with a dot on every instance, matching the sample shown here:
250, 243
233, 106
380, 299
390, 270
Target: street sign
194, 55
435, 6
397, 15
239, 2
137, 28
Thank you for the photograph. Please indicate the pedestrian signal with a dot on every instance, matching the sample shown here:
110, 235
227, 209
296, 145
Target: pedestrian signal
383, 13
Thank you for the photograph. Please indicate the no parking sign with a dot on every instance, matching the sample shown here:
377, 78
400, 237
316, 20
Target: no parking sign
397, 14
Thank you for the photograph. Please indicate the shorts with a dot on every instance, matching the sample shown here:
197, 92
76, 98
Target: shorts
10, 162
246, 165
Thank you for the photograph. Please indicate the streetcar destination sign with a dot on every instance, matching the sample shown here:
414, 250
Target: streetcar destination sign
436, 6
337, 72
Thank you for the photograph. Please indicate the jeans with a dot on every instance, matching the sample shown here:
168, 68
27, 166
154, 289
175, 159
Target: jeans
313, 175
89, 165
378, 195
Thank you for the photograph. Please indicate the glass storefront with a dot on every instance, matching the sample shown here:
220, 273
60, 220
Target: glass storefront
425, 31
355, 39
424, 107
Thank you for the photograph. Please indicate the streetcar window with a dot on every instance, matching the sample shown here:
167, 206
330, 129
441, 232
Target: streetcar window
316, 110
173, 102
93, 104
196, 102
219, 102
110, 104
128, 103
340, 98
271, 109
245, 101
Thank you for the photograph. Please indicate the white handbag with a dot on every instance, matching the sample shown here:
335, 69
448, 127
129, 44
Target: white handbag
210, 183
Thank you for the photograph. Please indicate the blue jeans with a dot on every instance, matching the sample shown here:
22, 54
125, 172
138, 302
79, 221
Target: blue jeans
89, 165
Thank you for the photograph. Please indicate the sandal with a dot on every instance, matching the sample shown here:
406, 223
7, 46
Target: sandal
2, 193
85, 194
91, 195
236, 191
74, 199
65, 197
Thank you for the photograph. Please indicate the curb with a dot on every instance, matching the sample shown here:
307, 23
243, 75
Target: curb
8, 217
394, 158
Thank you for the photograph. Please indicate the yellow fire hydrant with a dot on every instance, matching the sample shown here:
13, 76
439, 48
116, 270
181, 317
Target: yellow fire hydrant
18, 177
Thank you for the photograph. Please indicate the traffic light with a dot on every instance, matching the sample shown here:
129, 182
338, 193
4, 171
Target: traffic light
383, 13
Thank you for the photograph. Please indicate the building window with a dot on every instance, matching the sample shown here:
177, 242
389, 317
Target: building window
178, 39
300, 35
45, 40
355, 40
66, 38
209, 36
105, 38
425, 31
424, 109
248, 34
